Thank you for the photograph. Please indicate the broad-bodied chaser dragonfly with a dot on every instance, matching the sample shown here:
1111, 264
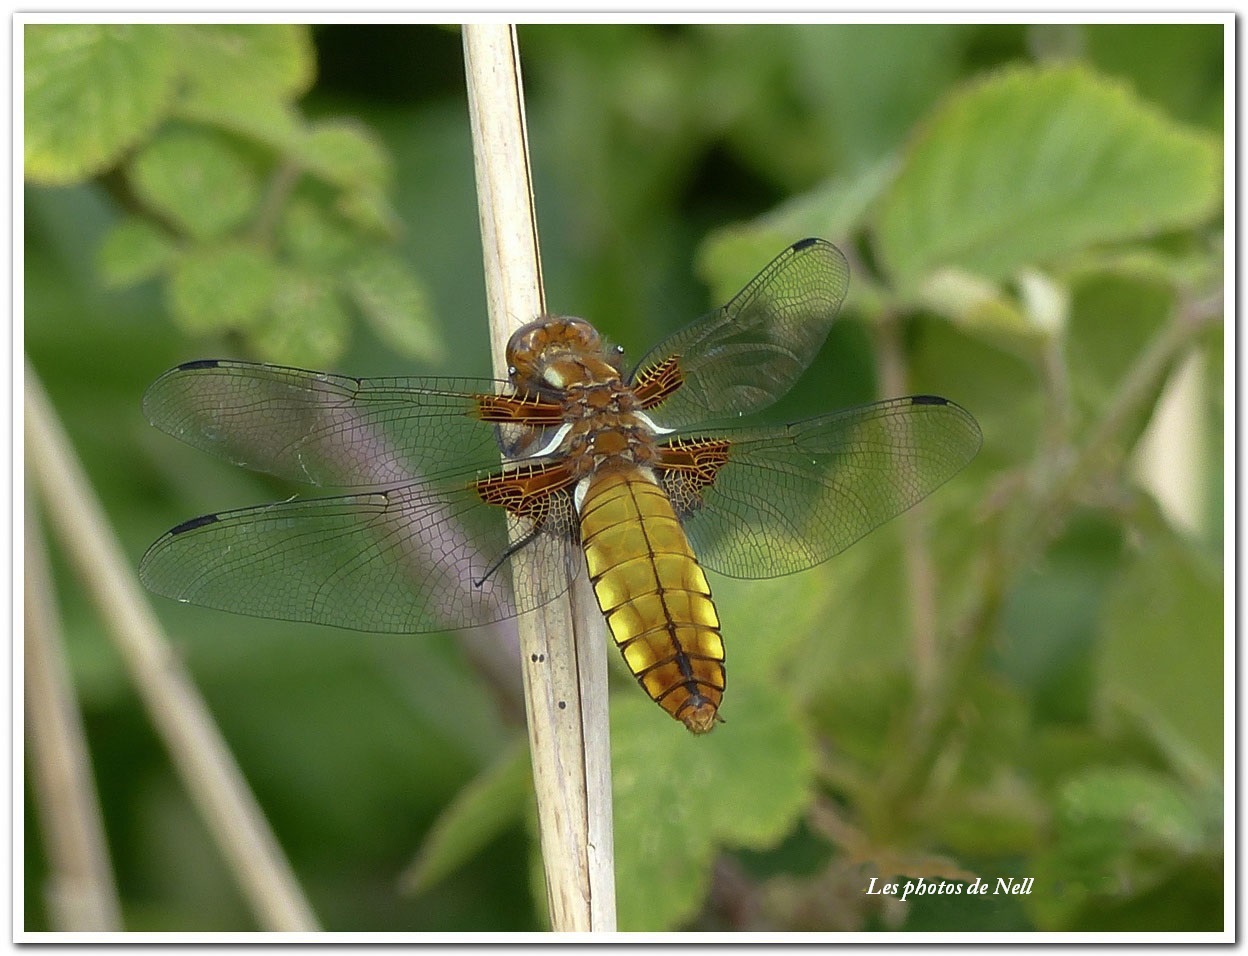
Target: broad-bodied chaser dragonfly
618, 470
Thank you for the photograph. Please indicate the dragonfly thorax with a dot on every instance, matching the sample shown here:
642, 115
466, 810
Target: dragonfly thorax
606, 437
563, 358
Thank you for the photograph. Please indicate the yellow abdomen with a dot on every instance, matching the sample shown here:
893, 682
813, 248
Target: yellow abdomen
654, 594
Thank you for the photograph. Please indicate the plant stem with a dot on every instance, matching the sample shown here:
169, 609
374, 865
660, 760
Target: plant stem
562, 645
916, 548
178, 713
82, 896
1022, 533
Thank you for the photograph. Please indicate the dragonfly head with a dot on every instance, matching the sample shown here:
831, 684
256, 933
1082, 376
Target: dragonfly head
558, 352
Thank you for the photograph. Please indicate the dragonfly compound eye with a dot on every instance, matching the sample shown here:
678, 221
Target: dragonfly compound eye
535, 347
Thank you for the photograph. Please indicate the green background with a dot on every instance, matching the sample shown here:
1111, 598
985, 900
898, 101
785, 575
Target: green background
1033, 217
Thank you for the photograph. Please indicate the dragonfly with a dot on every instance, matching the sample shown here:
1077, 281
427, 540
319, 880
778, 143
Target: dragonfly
645, 478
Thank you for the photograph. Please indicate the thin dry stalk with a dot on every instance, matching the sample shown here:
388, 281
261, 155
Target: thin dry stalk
563, 646
920, 570
178, 713
82, 897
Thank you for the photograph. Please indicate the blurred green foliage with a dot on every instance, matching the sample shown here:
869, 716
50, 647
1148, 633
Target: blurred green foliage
265, 223
1023, 679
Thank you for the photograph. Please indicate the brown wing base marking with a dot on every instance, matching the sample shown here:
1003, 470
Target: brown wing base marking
655, 383
526, 491
521, 421
538, 494
519, 410
687, 466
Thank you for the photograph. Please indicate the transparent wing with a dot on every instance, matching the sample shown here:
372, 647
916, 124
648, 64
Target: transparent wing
743, 357
790, 497
420, 551
402, 560
325, 429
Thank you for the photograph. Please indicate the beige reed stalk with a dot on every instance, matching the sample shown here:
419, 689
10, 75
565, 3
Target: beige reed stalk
80, 891
563, 645
178, 713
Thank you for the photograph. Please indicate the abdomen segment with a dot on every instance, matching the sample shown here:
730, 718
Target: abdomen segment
654, 595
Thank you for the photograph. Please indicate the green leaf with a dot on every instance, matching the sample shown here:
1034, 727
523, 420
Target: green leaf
834, 210
1034, 164
369, 209
198, 180
1113, 316
981, 307
242, 78
996, 385
265, 61
1126, 806
1164, 641
489, 805
91, 93
345, 153
307, 322
219, 288
768, 623
1117, 833
134, 250
856, 664
313, 235
397, 305
1052, 615
678, 797
273, 122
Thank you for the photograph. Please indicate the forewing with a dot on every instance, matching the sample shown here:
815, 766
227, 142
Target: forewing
790, 497
406, 559
743, 357
324, 429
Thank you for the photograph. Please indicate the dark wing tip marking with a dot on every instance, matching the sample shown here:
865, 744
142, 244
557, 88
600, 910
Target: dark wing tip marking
198, 364
804, 243
194, 523
936, 400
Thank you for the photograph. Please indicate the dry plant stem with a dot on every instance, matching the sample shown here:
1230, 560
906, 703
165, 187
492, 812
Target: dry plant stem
919, 569
562, 646
82, 897
178, 713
